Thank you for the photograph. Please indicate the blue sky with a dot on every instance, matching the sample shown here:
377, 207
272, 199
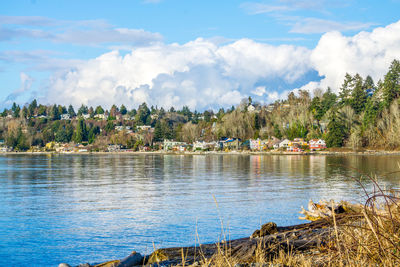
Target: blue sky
198, 53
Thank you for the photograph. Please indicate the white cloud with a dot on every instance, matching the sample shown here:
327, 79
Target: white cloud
199, 74
367, 53
259, 90
204, 74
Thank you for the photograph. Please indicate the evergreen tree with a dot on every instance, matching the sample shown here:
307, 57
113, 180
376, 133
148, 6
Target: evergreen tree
358, 95
142, 114
83, 110
123, 110
80, 133
391, 83
31, 108
99, 110
54, 113
316, 108
328, 100
336, 132
71, 111
371, 113
61, 135
345, 90
158, 132
42, 110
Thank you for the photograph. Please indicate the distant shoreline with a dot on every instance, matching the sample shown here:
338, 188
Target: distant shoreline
190, 153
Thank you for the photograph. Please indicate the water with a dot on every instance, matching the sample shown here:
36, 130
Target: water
92, 208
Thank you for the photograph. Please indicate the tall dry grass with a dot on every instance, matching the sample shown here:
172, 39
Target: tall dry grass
369, 237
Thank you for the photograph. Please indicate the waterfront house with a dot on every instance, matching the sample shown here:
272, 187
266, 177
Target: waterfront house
255, 144
232, 143
172, 145
284, 144
317, 144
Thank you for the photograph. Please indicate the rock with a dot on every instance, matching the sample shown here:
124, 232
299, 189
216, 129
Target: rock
266, 229
84, 265
132, 260
64, 265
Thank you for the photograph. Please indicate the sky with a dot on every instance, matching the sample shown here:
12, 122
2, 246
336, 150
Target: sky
199, 53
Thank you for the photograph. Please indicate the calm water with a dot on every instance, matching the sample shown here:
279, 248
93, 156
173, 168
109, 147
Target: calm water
90, 208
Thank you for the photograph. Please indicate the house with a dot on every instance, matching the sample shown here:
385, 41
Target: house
201, 145
284, 144
102, 117
317, 144
298, 142
5, 149
232, 143
114, 148
172, 145
65, 117
251, 108
294, 147
255, 144
86, 116
144, 128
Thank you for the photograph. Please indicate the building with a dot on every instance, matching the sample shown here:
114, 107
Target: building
284, 144
102, 117
65, 117
172, 145
317, 144
255, 144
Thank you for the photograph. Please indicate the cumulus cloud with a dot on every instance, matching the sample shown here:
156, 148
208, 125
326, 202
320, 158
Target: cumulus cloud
366, 53
198, 74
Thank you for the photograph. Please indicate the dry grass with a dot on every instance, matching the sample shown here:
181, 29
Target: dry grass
373, 239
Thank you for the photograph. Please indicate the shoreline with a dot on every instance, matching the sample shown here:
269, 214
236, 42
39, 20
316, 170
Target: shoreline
189, 153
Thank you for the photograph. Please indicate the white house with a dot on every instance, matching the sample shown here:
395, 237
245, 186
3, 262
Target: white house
65, 116
284, 143
255, 144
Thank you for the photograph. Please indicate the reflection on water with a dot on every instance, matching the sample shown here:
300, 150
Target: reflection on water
80, 208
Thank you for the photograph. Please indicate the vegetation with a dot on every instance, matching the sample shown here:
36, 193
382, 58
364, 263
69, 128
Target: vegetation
362, 115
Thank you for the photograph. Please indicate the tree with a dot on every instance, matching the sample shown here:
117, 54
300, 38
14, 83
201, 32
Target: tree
32, 107
123, 110
54, 113
358, 95
83, 110
391, 83
142, 113
80, 133
16, 110
316, 108
71, 111
158, 132
42, 110
328, 100
99, 110
345, 90
336, 132
61, 135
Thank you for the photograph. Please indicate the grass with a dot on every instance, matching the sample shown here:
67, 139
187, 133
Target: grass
370, 236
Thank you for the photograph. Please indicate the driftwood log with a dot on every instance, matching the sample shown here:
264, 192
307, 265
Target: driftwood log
269, 240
